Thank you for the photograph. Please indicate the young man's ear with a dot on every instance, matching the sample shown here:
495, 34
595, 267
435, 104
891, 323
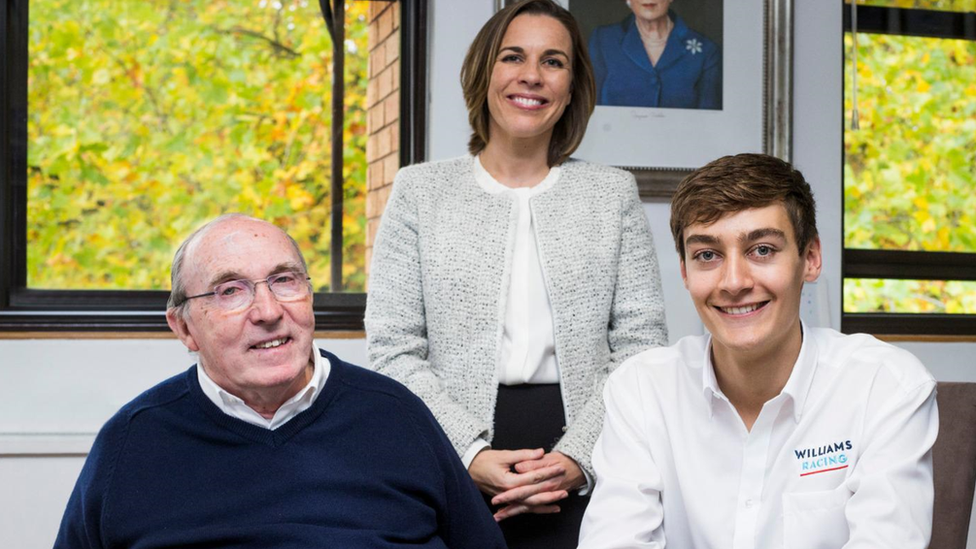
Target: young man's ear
813, 260
178, 324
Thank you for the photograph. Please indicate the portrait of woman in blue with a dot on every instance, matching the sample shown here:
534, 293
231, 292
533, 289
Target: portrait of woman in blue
653, 59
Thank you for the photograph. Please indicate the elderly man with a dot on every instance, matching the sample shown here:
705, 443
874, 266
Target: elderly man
268, 442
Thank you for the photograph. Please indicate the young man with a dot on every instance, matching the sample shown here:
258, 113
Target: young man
765, 433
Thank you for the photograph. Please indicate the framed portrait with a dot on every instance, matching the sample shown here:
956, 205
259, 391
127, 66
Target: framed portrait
683, 82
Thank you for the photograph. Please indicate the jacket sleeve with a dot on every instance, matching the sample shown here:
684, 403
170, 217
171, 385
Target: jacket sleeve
710, 84
396, 325
599, 63
636, 320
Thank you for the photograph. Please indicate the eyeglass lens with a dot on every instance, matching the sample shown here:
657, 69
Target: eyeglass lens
236, 294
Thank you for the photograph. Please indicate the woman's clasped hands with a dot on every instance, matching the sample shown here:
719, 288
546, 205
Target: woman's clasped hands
525, 481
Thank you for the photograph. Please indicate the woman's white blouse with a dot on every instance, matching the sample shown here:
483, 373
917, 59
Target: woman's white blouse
528, 349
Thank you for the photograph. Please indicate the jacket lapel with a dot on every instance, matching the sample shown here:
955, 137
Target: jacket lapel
676, 48
633, 47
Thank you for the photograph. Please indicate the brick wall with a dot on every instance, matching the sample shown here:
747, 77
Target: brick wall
383, 113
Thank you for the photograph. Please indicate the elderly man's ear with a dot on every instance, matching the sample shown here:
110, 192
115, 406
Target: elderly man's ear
178, 324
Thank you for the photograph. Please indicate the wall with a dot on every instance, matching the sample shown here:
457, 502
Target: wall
56, 393
382, 113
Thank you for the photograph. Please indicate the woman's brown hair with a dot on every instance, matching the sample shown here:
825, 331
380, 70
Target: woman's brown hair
480, 60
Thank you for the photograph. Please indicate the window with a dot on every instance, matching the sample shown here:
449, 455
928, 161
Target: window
909, 259
126, 125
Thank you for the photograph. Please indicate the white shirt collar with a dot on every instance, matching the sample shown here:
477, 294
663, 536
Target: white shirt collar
797, 386
491, 186
235, 407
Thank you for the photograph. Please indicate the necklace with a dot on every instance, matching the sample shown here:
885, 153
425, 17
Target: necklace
650, 41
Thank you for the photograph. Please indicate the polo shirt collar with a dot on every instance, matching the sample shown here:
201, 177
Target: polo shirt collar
801, 379
710, 388
797, 386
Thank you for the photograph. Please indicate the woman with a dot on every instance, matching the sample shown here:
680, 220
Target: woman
652, 59
508, 283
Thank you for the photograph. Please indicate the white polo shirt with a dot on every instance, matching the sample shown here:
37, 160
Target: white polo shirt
842, 454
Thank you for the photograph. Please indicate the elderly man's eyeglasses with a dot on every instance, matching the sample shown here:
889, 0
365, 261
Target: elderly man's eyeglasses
235, 295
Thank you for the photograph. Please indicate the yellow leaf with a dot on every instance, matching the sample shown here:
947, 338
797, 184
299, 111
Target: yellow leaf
119, 170
101, 77
943, 236
248, 196
63, 131
298, 198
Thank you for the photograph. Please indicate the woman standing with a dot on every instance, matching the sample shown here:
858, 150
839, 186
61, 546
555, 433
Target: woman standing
652, 59
508, 283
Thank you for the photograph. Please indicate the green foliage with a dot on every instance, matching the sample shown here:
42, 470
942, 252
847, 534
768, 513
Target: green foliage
909, 296
942, 5
910, 171
148, 118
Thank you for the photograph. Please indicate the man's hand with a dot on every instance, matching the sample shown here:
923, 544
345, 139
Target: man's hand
542, 480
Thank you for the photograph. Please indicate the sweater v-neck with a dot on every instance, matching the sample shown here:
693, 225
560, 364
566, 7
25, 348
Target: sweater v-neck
283, 434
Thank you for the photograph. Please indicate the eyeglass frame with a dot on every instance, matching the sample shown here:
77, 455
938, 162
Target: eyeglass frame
253, 284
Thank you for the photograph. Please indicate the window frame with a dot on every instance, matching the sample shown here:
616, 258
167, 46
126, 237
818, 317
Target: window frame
900, 264
30, 310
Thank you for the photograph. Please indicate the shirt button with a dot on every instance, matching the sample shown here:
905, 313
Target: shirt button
565, 428
750, 502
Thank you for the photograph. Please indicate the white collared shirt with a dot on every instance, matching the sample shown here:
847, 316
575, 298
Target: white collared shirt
235, 407
528, 348
842, 454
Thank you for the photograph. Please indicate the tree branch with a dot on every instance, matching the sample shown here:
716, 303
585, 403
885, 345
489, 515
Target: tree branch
278, 46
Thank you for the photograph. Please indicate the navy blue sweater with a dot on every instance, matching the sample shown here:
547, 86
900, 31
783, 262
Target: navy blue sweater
366, 466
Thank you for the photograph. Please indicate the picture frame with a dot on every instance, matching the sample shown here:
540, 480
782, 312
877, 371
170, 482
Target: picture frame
660, 146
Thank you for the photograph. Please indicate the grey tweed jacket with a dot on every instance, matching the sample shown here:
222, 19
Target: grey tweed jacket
439, 279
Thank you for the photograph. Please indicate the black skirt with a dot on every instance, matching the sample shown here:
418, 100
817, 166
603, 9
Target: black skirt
527, 417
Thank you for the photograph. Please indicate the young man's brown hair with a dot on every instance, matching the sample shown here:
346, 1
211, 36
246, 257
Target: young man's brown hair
741, 182
480, 60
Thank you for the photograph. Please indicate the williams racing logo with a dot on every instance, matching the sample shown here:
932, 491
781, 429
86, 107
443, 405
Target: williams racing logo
822, 459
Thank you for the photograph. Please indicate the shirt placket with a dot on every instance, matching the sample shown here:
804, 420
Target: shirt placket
754, 457
520, 343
